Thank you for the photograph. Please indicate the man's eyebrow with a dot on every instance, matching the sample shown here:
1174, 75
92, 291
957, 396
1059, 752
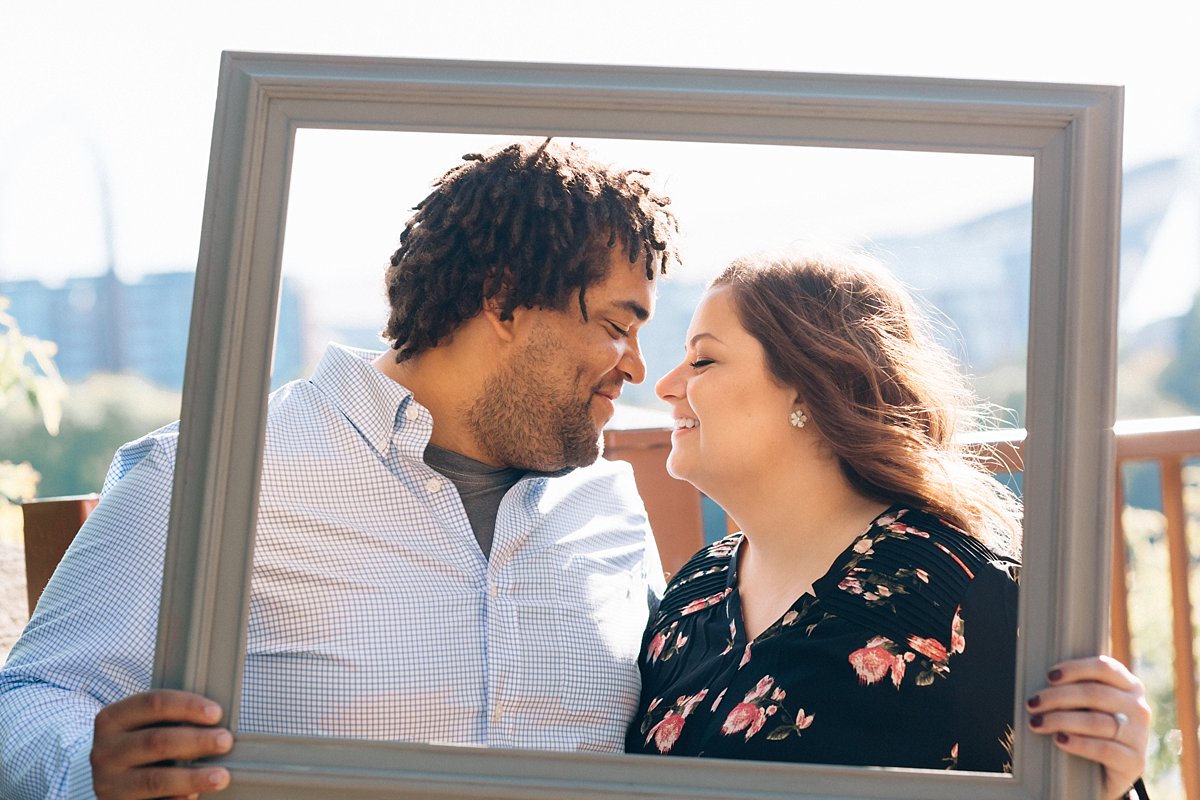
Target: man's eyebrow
635, 308
699, 336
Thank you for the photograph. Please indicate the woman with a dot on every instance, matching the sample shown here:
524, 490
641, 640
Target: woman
866, 611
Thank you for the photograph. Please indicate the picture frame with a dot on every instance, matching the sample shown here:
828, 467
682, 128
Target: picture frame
1072, 132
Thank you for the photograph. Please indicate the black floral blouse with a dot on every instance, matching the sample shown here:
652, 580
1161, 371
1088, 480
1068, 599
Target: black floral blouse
903, 656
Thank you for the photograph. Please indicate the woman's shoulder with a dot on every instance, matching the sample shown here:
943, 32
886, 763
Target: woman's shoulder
910, 573
704, 577
903, 535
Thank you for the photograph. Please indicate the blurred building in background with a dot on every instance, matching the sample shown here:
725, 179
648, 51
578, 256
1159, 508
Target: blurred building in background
103, 324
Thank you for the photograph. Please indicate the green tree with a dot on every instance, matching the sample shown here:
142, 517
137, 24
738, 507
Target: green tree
99, 415
27, 372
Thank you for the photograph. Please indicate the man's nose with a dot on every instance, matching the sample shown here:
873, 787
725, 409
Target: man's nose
632, 364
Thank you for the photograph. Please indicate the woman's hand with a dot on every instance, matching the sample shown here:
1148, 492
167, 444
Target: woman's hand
1096, 708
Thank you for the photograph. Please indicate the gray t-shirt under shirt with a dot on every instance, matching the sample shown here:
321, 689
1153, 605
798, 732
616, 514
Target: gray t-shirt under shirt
481, 487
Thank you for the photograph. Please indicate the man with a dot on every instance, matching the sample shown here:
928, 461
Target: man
440, 556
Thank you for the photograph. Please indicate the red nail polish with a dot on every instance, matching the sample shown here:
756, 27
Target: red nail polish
1061, 738
1034, 701
1054, 675
1035, 721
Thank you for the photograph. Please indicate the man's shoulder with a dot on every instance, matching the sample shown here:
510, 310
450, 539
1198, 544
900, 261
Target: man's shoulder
607, 469
603, 474
155, 448
604, 487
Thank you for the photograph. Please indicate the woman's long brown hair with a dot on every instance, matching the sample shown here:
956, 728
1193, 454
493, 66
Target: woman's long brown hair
887, 398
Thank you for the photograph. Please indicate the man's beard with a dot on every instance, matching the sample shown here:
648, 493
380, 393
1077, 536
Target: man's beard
531, 417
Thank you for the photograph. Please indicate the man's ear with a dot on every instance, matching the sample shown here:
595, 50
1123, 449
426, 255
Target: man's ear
505, 329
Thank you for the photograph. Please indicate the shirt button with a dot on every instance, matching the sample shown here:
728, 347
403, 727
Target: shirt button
498, 712
411, 413
492, 590
433, 485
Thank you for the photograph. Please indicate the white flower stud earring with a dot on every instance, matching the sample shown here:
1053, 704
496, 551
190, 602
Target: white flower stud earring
798, 418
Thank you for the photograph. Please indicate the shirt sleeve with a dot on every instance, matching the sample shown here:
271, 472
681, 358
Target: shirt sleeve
983, 676
91, 639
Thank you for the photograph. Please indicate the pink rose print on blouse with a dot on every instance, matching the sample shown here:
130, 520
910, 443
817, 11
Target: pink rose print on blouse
930, 648
894, 525
665, 644
951, 761
763, 701
876, 589
723, 548
667, 731
751, 714
783, 731
655, 648
745, 656
881, 657
877, 659
937, 663
761, 688
732, 636
851, 584
958, 641
746, 717
705, 602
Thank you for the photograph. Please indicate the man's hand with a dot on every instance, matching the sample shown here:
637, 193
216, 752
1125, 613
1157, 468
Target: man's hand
135, 735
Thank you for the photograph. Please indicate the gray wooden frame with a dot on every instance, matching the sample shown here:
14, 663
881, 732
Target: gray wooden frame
1072, 132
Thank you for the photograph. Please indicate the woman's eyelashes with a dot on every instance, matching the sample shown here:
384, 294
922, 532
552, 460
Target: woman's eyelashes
700, 362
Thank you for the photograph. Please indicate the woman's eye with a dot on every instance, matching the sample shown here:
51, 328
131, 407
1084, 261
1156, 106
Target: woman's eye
700, 362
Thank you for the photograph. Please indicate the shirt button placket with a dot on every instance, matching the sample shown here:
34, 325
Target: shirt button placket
498, 734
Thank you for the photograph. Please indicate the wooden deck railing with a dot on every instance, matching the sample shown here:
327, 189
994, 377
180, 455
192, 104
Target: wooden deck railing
675, 511
1169, 443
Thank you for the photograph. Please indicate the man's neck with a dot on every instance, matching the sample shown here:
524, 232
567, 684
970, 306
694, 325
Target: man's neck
443, 385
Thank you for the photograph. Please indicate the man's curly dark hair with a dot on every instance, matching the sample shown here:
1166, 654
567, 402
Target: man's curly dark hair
528, 224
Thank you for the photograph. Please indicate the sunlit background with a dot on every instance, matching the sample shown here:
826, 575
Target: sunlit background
105, 124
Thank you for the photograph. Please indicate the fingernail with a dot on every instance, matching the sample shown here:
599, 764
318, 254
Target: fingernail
1035, 721
218, 778
212, 711
224, 740
1061, 738
1054, 675
1034, 701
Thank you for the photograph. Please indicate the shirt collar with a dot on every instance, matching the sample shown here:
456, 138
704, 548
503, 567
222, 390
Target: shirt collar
375, 405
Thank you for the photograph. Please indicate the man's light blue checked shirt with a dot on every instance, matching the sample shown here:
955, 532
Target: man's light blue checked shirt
373, 612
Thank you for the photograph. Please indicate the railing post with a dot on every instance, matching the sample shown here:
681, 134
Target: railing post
1121, 641
673, 506
1181, 613
50, 525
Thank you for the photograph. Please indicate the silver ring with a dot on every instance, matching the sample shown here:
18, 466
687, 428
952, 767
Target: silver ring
1122, 720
